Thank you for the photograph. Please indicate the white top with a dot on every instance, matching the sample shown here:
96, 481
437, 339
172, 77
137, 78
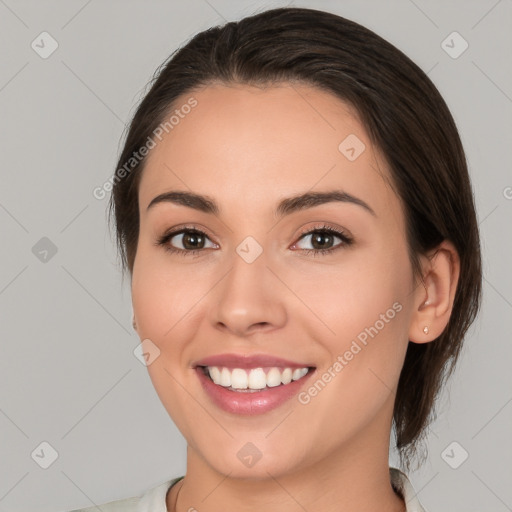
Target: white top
153, 500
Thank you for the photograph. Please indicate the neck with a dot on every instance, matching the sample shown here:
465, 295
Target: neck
354, 478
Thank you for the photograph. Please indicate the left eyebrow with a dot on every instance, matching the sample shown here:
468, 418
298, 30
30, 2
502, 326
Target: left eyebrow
286, 206
312, 199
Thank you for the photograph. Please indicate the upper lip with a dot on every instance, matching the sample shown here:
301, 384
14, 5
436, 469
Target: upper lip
248, 361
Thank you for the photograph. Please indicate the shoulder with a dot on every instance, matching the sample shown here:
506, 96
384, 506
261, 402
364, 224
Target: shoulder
401, 483
125, 505
152, 500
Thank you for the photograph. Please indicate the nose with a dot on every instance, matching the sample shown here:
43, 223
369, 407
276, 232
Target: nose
249, 299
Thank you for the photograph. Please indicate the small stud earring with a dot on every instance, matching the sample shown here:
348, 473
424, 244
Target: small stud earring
425, 329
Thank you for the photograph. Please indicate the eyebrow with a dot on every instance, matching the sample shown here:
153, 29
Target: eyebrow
286, 206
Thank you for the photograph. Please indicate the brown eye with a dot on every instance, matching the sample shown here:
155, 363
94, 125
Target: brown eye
320, 240
185, 241
323, 240
192, 240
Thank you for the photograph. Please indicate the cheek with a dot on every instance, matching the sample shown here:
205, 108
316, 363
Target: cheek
345, 298
163, 301
362, 316
162, 294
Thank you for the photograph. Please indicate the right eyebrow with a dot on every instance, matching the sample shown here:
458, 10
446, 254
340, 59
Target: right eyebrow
189, 199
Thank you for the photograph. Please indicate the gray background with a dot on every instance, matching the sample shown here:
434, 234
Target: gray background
68, 373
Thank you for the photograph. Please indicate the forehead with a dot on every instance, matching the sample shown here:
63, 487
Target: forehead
249, 146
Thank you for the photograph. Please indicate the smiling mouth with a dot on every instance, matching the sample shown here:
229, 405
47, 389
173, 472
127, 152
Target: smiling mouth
253, 380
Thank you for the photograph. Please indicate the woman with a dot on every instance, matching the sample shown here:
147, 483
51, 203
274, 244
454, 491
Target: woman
293, 206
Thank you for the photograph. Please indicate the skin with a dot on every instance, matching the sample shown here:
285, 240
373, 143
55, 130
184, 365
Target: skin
248, 148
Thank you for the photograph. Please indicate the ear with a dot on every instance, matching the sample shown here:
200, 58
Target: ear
433, 301
134, 324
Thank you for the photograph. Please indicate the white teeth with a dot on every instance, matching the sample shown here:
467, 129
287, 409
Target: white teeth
286, 376
225, 378
239, 379
298, 373
254, 378
273, 378
214, 374
257, 379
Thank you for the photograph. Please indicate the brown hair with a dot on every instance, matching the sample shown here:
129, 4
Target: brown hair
405, 117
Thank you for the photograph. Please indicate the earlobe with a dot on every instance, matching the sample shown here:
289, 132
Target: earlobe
434, 301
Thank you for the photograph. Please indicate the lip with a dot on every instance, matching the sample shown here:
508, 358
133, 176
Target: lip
250, 403
248, 361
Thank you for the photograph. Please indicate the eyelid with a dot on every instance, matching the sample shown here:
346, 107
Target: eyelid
177, 230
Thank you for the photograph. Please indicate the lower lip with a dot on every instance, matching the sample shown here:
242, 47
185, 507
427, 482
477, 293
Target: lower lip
250, 403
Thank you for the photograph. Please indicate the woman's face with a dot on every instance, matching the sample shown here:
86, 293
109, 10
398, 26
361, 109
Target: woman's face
254, 286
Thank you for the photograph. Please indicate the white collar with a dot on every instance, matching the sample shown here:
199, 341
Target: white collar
401, 483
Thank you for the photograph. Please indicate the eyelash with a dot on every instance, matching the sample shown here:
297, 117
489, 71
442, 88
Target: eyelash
346, 240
